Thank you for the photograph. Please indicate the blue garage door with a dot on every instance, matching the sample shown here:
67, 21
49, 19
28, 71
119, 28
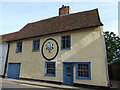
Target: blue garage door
13, 70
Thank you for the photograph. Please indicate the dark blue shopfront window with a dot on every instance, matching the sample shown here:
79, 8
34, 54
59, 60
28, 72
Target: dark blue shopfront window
50, 68
83, 70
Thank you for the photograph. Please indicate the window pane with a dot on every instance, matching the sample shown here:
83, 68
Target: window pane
68, 43
63, 46
68, 69
63, 37
68, 37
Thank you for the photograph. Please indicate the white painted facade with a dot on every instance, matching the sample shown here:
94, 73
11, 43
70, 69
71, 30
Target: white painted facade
3, 54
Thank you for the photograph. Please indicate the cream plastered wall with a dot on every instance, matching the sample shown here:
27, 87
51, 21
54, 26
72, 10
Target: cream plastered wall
87, 46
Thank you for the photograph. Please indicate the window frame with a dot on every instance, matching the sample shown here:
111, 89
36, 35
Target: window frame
62, 48
35, 42
19, 47
46, 74
89, 70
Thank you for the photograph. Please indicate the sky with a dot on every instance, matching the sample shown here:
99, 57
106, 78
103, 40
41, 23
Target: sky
15, 15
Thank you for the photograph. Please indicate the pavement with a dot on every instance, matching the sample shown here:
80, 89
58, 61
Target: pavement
39, 84
115, 84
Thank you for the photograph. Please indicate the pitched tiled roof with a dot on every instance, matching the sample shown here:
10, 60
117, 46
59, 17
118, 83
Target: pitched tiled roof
59, 24
7, 37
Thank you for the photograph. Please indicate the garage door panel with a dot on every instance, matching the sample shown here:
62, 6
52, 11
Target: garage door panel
13, 70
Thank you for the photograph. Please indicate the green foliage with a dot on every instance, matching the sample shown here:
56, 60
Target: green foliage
112, 45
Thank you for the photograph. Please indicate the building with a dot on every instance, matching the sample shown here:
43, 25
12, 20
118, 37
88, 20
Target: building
4, 51
68, 48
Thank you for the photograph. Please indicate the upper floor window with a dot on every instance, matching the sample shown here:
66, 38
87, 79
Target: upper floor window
19, 47
83, 70
50, 68
36, 45
66, 42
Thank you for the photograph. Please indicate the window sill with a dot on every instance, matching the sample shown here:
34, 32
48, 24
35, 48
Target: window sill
49, 75
35, 51
65, 48
87, 78
18, 52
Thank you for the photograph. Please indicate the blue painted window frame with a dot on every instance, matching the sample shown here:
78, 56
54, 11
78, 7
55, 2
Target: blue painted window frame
18, 47
47, 74
36, 43
66, 41
89, 71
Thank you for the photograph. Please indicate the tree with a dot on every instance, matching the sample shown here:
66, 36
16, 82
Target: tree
112, 45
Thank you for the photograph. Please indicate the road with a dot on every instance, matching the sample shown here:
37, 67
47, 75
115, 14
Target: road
10, 85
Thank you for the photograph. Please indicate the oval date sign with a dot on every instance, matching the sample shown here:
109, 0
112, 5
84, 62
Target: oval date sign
50, 49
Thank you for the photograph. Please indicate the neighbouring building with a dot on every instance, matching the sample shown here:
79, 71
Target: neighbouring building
68, 48
3, 54
4, 51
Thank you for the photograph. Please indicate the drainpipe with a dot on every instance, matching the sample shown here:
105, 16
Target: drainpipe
5, 67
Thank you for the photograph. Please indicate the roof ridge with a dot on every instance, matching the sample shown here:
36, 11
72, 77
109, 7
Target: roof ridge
63, 16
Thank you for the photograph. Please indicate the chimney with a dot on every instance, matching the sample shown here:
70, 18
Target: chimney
64, 10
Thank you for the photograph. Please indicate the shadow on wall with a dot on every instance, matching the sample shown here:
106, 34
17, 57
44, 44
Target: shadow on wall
87, 47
